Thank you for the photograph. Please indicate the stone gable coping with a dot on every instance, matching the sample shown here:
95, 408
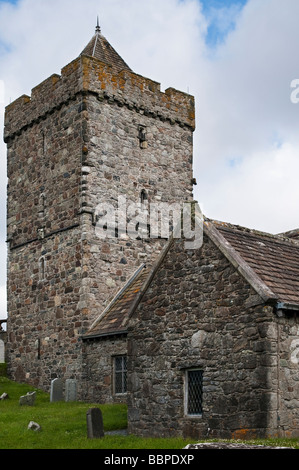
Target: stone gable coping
238, 262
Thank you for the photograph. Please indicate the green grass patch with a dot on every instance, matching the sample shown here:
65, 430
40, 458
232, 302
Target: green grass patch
3, 370
64, 425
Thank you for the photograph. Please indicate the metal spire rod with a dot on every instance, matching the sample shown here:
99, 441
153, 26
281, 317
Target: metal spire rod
98, 28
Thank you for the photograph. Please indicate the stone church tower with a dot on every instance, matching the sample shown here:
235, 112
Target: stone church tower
96, 132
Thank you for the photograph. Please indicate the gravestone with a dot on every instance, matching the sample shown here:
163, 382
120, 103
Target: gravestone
28, 399
56, 393
95, 427
2, 352
70, 390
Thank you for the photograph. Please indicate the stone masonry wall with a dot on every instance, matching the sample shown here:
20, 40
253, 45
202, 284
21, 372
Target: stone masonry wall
200, 313
45, 246
116, 165
45, 322
284, 336
73, 143
98, 369
44, 176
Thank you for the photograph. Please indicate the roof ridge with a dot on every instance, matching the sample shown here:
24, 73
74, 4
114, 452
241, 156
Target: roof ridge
280, 237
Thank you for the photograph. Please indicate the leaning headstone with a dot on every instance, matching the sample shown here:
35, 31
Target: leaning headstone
95, 427
34, 426
70, 390
28, 399
4, 396
56, 392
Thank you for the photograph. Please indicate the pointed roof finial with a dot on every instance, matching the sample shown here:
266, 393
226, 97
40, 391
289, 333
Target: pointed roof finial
98, 28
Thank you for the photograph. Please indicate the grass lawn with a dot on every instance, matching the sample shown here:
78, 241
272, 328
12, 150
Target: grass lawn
64, 425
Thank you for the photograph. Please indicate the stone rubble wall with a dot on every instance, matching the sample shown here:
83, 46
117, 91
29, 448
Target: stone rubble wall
115, 165
45, 322
98, 356
72, 144
200, 313
284, 334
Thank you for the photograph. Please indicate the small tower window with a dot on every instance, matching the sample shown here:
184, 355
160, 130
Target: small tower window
143, 196
38, 348
44, 142
42, 269
142, 137
42, 204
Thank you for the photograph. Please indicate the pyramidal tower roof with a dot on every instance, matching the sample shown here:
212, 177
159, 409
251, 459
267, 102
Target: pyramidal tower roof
101, 49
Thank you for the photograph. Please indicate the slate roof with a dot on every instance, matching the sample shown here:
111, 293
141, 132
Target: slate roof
114, 318
270, 264
101, 49
272, 259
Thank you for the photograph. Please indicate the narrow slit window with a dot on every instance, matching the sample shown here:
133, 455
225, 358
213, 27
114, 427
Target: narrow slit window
120, 375
44, 143
38, 348
142, 137
42, 205
42, 269
143, 196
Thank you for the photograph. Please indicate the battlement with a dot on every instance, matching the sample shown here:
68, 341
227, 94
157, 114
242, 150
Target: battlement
50, 94
89, 75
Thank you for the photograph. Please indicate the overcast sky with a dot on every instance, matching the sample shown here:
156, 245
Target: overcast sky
237, 57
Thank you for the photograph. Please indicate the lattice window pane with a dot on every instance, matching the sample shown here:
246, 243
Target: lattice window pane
194, 403
120, 374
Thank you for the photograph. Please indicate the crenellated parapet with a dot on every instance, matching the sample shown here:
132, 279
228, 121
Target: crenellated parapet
49, 95
137, 92
89, 75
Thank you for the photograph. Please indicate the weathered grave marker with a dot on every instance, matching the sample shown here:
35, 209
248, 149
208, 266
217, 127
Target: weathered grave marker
70, 390
56, 393
95, 427
2, 352
28, 399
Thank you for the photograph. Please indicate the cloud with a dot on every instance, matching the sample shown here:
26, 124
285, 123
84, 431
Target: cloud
248, 183
246, 116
